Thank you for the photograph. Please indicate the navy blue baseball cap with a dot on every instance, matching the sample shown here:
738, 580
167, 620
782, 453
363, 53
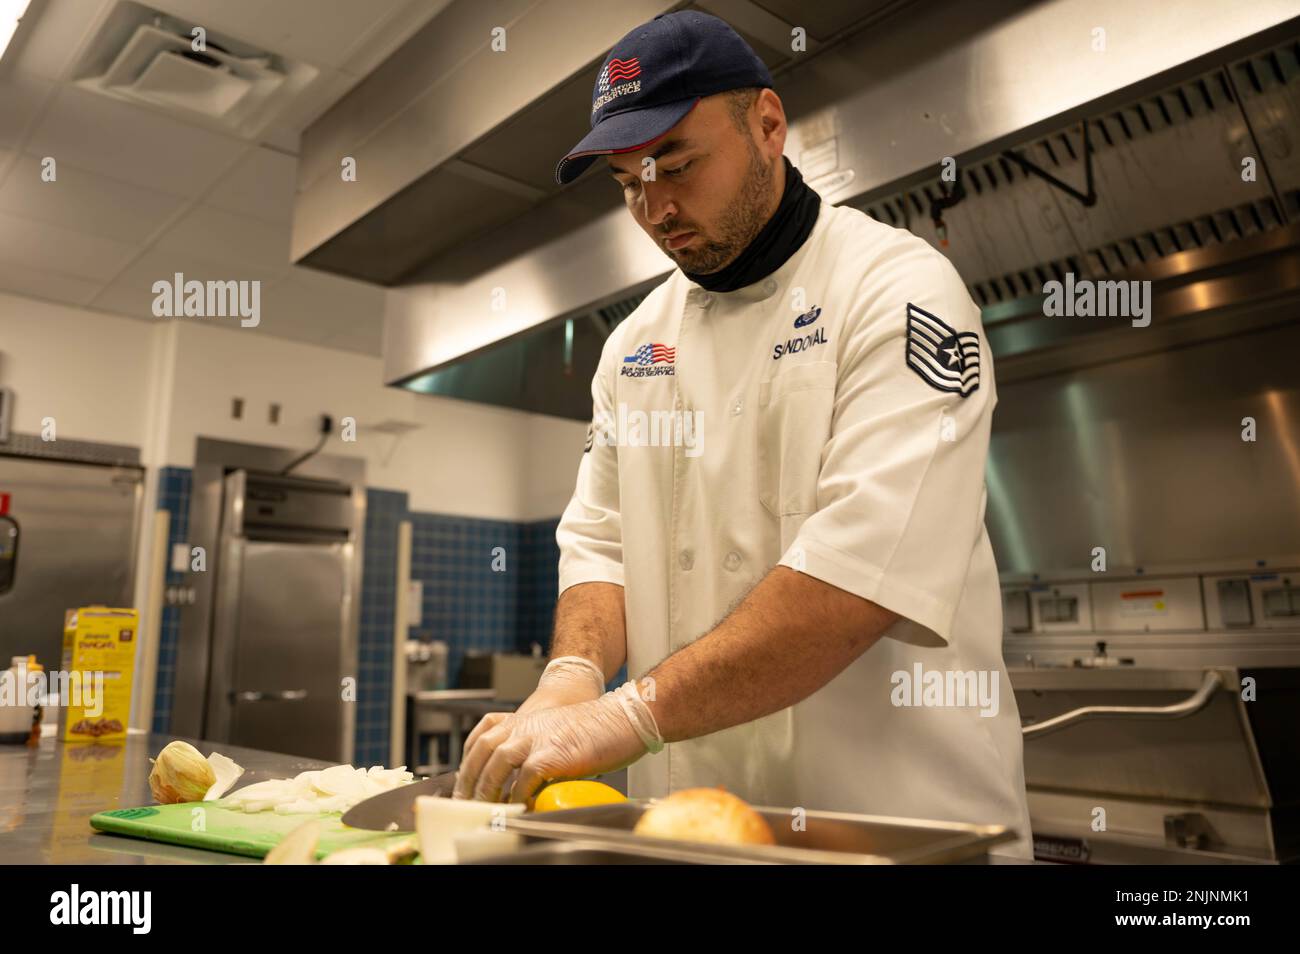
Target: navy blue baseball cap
654, 76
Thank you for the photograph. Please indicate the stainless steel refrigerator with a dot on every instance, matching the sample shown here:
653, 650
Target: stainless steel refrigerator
284, 624
68, 539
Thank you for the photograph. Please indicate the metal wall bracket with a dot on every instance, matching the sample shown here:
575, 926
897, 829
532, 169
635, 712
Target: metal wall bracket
1089, 198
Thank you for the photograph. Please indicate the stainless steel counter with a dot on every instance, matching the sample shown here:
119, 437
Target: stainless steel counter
48, 793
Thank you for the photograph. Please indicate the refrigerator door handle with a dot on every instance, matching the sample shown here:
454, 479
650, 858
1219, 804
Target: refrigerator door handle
283, 695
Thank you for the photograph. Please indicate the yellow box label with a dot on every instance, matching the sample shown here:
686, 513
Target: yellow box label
99, 656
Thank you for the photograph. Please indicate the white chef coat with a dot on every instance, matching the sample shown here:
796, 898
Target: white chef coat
824, 450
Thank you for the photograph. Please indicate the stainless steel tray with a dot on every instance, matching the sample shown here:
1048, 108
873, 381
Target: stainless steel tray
836, 838
559, 852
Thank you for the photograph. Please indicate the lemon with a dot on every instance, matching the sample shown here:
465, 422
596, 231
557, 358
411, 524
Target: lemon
581, 794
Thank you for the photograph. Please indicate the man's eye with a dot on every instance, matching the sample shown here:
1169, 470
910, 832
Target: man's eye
679, 170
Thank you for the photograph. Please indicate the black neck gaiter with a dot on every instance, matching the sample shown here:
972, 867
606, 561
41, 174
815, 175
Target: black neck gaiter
780, 238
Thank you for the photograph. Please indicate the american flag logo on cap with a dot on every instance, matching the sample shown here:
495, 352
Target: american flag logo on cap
944, 358
616, 70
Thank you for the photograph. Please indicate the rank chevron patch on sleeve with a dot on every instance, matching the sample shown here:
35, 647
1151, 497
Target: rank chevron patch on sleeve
944, 358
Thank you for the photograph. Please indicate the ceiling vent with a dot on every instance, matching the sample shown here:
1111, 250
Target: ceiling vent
150, 58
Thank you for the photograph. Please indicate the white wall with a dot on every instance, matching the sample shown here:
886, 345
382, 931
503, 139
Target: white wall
554, 455
91, 372
463, 458
161, 384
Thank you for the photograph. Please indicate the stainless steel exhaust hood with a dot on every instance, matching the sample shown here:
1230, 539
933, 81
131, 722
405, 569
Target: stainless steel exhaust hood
421, 186
508, 303
458, 132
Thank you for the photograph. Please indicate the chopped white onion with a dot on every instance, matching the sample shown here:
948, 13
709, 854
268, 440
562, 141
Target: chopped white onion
227, 773
335, 789
357, 856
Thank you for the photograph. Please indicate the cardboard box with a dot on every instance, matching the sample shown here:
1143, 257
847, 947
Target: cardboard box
99, 660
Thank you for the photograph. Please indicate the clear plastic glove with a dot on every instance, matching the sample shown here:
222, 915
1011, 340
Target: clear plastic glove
566, 681
548, 744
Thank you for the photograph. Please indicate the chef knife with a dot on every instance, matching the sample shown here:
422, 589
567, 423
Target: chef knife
395, 810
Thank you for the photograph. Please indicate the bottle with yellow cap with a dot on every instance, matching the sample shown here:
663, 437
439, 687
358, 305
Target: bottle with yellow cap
15, 713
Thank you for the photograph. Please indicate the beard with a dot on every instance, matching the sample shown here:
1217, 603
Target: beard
741, 220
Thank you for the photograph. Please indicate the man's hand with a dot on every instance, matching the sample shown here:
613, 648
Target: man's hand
566, 681
547, 744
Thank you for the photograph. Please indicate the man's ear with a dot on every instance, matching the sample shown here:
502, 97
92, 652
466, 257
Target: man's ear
771, 117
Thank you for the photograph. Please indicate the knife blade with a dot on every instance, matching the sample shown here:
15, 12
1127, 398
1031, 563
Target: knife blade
397, 807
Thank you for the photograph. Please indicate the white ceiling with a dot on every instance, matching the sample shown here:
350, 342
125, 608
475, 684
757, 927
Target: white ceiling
141, 194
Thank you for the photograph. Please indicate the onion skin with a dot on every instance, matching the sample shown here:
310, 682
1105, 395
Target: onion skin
180, 774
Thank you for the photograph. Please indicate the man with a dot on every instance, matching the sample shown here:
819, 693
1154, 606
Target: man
807, 590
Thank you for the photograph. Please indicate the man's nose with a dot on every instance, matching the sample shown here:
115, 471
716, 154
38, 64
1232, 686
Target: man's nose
657, 203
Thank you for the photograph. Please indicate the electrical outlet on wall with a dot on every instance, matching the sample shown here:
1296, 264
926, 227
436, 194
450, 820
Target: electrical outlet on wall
414, 602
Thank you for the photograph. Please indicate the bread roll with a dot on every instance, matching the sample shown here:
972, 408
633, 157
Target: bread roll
705, 814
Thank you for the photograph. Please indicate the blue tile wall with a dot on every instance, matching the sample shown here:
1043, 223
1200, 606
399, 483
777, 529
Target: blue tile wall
472, 600
174, 497
385, 510
538, 585
539, 579
471, 590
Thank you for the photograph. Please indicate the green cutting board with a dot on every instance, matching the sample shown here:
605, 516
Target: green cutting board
232, 832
